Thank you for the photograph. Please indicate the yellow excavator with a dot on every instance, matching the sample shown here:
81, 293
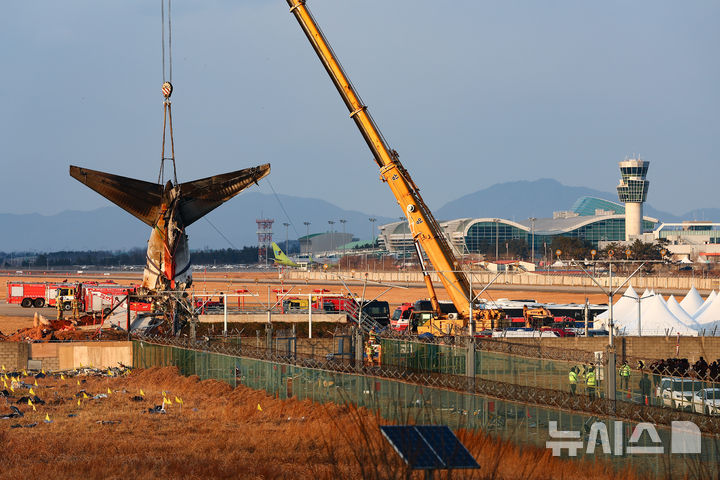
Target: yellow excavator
426, 232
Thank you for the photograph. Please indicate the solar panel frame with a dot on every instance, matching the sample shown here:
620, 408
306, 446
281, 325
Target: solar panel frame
429, 447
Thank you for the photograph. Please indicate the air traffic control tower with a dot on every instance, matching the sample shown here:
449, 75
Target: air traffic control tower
632, 191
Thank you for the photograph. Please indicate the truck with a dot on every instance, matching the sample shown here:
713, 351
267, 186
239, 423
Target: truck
427, 235
35, 294
92, 297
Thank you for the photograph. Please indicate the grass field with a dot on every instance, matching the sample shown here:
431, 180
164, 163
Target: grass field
220, 432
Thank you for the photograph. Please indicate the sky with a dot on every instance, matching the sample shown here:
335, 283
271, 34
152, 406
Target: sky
470, 93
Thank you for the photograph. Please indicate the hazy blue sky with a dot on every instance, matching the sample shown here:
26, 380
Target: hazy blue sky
471, 93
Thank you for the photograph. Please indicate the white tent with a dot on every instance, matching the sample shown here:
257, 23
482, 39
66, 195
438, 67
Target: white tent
702, 260
708, 301
656, 319
558, 264
680, 313
709, 316
686, 261
625, 303
692, 301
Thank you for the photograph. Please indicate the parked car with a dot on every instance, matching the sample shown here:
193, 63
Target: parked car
678, 392
707, 401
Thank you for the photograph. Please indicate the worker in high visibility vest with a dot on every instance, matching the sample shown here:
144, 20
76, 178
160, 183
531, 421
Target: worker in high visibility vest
573, 378
625, 375
591, 383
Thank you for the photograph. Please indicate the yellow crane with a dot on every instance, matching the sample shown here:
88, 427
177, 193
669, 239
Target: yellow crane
424, 228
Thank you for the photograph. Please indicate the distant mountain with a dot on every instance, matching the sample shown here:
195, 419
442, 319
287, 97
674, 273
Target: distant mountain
110, 228
540, 198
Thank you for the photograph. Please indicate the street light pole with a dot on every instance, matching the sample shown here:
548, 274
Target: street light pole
497, 237
343, 221
332, 235
532, 246
287, 249
307, 237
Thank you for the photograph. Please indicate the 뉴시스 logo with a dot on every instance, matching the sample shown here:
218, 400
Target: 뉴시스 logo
685, 438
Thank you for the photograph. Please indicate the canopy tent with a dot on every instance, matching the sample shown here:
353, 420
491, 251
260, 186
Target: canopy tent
626, 302
656, 319
558, 264
708, 301
709, 316
702, 260
680, 313
692, 301
686, 261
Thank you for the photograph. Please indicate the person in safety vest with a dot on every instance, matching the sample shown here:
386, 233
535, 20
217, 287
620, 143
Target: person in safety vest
591, 383
573, 378
625, 375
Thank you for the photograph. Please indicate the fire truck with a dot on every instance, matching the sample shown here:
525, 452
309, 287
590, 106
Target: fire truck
35, 294
92, 297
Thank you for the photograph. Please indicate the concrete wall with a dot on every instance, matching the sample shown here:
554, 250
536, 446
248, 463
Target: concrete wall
674, 285
14, 355
67, 356
649, 348
262, 318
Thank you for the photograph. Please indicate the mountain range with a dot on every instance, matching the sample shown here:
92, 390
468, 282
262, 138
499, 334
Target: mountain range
233, 225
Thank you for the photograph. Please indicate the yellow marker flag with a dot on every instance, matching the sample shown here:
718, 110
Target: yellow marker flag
78, 402
259, 407
42, 371
47, 417
178, 400
62, 377
163, 393
24, 373
142, 394
34, 409
78, 382
109, 391
85, 395
36, 383
11, 388
167, 400
3, 368
32, 392
29, 402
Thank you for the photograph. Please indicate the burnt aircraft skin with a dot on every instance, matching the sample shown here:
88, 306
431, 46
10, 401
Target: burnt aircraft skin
169, 209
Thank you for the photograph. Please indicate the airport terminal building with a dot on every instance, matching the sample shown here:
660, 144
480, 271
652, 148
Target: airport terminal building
592, 219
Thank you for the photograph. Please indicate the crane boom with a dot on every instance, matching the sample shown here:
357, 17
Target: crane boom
424, 228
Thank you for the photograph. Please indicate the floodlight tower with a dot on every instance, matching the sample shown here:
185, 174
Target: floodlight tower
632, 191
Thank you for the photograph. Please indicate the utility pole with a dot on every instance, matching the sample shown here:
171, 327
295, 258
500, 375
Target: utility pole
307, 237
372, 230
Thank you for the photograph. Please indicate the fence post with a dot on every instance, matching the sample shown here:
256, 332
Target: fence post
611, 380
358, 346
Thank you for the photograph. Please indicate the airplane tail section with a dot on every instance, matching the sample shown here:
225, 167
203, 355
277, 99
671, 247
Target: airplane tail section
280, 256
144, 199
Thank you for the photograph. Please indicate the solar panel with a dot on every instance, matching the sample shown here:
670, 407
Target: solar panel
428, 447
447, 446
411, 447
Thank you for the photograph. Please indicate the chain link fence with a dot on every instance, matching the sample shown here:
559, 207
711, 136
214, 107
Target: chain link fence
518, 413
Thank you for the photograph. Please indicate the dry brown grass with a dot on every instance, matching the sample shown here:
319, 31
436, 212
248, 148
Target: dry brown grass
220, 433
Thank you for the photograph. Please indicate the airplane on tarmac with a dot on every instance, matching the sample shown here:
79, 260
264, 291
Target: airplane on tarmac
282, 259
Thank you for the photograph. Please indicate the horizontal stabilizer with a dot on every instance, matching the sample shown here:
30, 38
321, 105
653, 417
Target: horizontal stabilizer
137, 197
204, 195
